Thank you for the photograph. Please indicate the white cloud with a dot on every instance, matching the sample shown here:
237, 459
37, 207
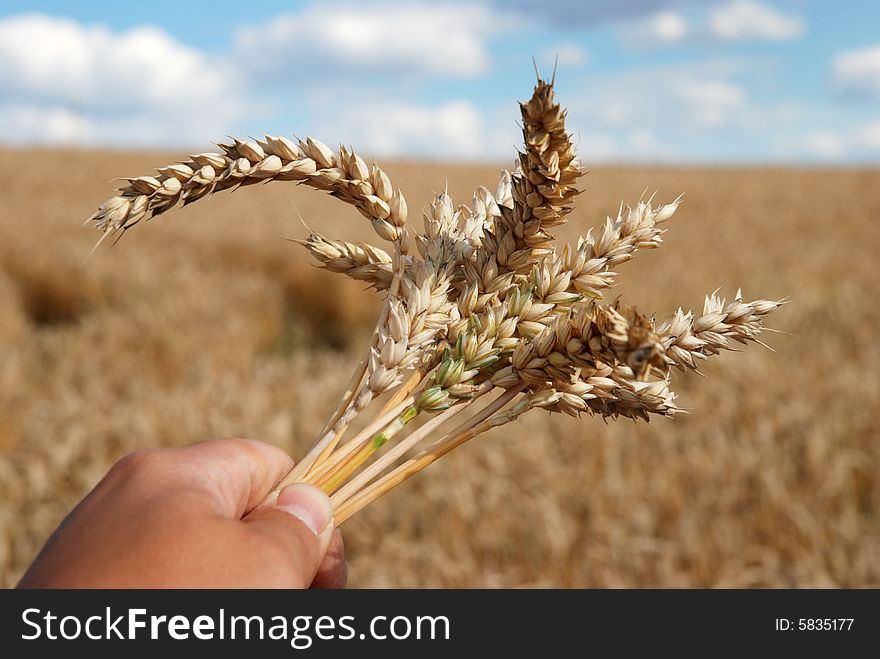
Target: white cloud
669, 113
869, 135
42, 125
857, 72
642, 140
455, 129
669, 27
825, 145
441, 39
61, 81
710, 103
662, 29
745, 20
567, 54
858, 142
580, 13
24, 123
596, 146
615, 111
738, 20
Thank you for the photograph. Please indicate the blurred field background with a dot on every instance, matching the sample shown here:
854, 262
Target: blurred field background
205, 322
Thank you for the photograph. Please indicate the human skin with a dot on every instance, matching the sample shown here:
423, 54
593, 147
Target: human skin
194, 517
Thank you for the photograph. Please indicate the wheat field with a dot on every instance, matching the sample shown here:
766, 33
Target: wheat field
208, 323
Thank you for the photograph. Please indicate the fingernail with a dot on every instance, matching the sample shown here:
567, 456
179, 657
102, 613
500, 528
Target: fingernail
308, 504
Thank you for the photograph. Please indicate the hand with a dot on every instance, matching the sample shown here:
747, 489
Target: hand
191, 518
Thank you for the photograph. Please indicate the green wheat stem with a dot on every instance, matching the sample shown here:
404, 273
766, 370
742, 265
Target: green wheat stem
368, 449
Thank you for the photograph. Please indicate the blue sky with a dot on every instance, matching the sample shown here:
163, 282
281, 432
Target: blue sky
730, 81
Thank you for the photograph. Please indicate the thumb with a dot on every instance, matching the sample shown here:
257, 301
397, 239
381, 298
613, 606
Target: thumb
301, 525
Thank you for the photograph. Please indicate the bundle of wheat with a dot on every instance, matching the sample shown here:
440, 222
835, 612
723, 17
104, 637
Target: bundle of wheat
487, 302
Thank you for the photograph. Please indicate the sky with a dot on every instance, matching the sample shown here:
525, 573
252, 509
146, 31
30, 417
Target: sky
711, 81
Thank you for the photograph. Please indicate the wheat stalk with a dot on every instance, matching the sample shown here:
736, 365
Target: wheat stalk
485, 304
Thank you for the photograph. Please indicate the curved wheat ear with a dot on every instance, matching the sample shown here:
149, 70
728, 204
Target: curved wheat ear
344, 175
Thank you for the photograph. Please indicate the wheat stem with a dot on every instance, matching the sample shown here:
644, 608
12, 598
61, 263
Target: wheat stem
326, 469
387, 459
352, 463
473, 427
325, 446
358, 394
297, 474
